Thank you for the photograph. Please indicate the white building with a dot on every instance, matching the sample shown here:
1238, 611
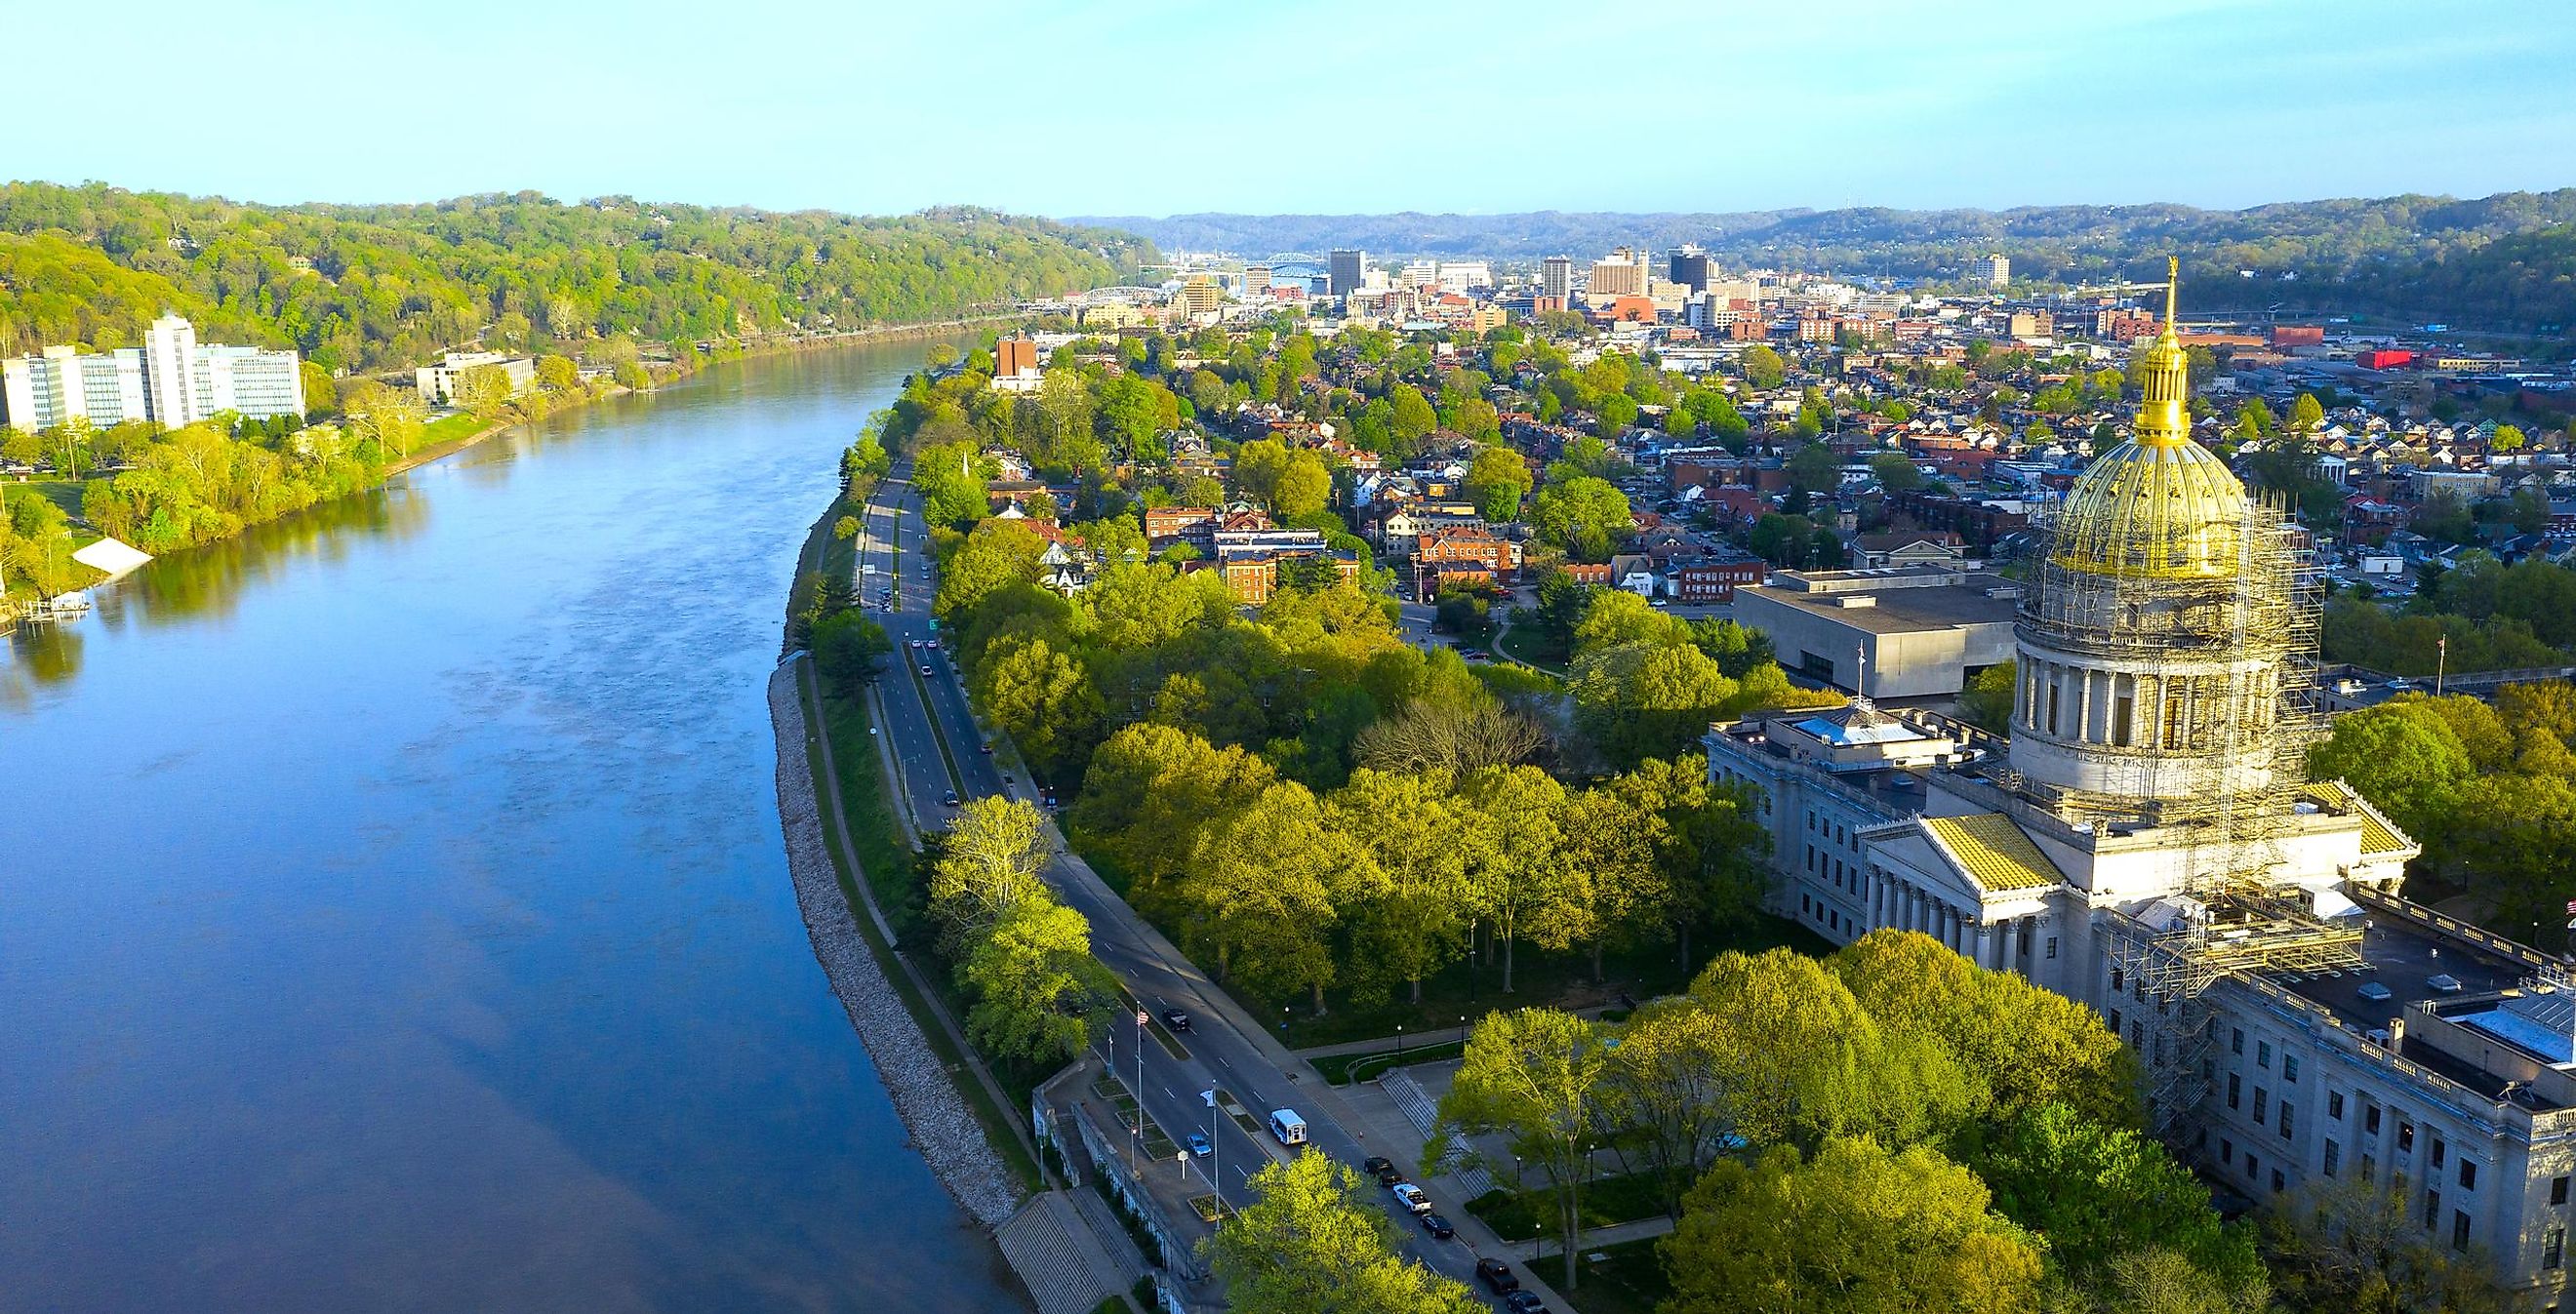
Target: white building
171, 380
2148, 844
437, 383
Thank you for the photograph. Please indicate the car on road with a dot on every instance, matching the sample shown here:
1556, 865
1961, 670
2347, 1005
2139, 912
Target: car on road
950, 798
988, 750
1176, 1019
1412, 1198
1524, 1302
925, 668
1199, 1145
1497, 1276
1287, 1126
1389, 1175
1375, 1164
1006, 779
931, 644
1438, 1227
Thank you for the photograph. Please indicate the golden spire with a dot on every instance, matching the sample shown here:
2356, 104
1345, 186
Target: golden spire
2163, 418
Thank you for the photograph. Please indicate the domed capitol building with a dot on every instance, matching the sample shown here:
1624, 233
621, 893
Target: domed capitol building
2146, 840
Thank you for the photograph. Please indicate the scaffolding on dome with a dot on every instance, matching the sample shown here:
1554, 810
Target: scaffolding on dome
2186, 612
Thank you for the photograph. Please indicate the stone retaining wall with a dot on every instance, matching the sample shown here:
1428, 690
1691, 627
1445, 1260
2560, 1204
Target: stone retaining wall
925, 1096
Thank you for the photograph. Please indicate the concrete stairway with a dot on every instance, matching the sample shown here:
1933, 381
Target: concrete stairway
1424, 1113
1052, 1248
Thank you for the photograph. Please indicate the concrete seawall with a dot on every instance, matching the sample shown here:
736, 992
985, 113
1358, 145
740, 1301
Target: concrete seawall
925, 1096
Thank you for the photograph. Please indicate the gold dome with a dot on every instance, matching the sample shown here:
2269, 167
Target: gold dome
2160, 505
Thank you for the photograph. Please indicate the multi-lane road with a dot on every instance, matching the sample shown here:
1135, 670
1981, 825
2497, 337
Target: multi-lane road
1225, 1048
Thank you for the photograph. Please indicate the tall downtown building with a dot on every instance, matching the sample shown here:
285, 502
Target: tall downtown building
1346, 270
2148, 841
171, 380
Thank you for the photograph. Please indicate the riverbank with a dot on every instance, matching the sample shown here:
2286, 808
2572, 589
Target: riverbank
450, 445
943, 1128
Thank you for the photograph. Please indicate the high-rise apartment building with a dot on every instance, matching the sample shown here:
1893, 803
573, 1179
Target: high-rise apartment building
1996, 269
1256, 280
1346, 271
1421, 273
1690, 268
1556, 279
1622, 273
171, 380
1200, 295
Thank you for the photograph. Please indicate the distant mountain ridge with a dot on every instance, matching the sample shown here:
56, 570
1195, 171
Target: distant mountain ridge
2508, 257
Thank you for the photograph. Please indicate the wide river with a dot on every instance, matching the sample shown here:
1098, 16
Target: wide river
393, 914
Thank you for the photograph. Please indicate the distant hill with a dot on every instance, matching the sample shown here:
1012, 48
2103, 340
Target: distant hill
2501, 259
371, 286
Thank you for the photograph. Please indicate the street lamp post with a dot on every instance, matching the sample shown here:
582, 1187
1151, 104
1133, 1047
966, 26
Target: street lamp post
1398, 1051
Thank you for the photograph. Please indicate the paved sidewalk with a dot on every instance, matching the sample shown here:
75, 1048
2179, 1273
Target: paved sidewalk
1640, 1230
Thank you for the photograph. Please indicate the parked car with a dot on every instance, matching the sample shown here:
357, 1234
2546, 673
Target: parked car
1176, 1020
1199, 1145
1412, 1198
1375, 1164
1524, 1302
1438, 1227
1497, 1276
1389, 1175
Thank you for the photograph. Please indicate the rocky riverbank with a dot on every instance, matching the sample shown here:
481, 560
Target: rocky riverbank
925, 1096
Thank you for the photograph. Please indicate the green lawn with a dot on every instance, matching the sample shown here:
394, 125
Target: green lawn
1469, 990
1343, 1069
1523, 644
64, 493
1629, 1280
1606, 1201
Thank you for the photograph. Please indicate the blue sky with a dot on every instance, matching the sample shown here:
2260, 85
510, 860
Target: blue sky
1156, 107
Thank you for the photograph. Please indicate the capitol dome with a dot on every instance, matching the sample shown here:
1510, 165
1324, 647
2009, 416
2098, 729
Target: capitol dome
2160, 505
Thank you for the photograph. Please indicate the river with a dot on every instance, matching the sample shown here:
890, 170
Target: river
393, 914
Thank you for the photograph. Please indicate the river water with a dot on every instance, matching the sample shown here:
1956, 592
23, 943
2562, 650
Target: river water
393, 914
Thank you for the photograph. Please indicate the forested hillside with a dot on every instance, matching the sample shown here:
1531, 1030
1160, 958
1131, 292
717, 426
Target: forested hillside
2503, 261
378, 286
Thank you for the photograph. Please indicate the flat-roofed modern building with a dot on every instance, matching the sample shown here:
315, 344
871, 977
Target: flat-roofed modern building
1905, 632
171, 380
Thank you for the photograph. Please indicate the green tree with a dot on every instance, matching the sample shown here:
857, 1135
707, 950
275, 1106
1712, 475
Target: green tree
1763, 367
2307, 415
2402, 756
1313, 1241
1584, 516
1043, 698
1896, 472
1531, 1076
1263, 899
987, 866
847, 647
1859, 1230
1987, 702
1644, 699
1517, 877
1303, 487
1804, 1061
1497, 480
1412, 419
1814, 469
2023, 1047
2100, 1194
998, 554
1022, 974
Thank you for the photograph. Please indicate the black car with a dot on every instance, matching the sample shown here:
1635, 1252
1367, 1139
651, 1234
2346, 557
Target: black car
1174, 1018
1497, 1276
1376, 1163
1389, 1176
1524, 1302
950, 798
1438, 1227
